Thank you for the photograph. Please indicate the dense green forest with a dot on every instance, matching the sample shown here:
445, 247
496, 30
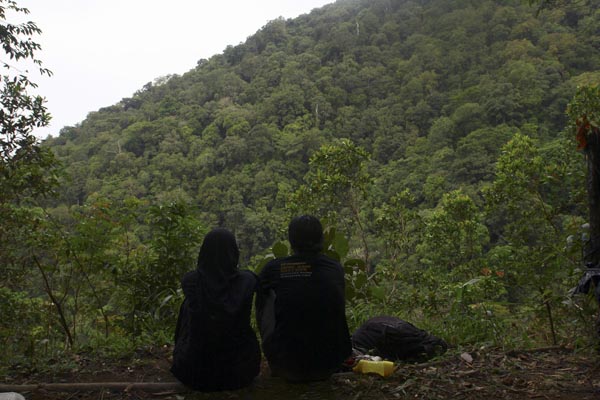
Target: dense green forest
431, 136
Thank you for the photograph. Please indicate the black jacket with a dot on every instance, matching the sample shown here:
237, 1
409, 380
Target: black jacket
215, 346
301, 314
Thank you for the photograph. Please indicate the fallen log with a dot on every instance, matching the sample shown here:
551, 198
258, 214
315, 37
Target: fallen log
151, 387
90, 386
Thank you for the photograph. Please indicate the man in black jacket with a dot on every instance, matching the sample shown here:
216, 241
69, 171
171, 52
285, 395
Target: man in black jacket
301, 310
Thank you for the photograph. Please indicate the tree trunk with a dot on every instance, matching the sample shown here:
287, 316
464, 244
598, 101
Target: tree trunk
86, 386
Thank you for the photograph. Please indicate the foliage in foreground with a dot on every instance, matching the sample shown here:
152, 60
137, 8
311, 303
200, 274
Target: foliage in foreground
109, 272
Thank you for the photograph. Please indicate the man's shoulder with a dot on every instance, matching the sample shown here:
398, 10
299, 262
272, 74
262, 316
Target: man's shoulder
275, 263
306, 258
270, 267
325, 259
319, 260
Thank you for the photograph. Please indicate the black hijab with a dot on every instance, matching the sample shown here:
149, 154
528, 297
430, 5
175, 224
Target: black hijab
217, 267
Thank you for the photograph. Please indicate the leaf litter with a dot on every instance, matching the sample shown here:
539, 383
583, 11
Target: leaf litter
483, 373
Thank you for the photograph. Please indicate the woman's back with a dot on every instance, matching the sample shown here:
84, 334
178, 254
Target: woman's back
215, 346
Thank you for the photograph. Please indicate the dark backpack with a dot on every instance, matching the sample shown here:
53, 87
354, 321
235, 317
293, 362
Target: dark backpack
394, 339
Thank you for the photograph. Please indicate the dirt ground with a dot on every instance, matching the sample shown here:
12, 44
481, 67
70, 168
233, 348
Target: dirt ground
552, 373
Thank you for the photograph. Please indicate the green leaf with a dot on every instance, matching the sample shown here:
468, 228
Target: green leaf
341, 244
350, 292
378, 292
280, 250
328, 236
166, 300
361, 280
332, 254
471, 282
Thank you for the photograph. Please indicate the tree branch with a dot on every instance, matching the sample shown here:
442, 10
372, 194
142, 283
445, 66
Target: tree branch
55, 301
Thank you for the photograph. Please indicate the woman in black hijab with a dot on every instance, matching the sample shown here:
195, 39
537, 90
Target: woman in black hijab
215, 346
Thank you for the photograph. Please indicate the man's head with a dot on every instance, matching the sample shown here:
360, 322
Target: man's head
305, 234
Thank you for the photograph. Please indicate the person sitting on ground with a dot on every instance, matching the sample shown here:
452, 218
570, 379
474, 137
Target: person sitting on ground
300, 308
215, 346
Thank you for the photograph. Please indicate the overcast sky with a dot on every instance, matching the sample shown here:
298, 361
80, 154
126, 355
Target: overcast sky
101, 51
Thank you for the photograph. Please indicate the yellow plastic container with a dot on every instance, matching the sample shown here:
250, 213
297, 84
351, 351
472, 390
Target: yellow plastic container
383, 368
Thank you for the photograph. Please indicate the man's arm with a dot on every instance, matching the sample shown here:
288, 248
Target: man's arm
265, 302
